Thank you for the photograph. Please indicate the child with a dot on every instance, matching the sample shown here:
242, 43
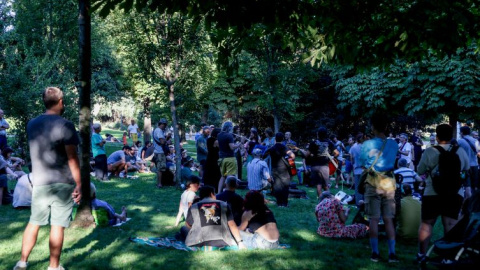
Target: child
124, 138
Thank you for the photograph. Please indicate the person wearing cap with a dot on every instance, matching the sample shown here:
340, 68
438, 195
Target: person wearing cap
405, 150
159, 142
117, 162
281, 176
113, 218
226, 146
467, 142
186, 200
202, 151
234, 200
187, 164
99, 153
409, 176
258, 174
331, 217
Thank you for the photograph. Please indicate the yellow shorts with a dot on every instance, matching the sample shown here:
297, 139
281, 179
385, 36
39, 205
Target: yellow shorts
228, 166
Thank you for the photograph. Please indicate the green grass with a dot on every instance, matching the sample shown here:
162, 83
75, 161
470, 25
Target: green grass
153, 213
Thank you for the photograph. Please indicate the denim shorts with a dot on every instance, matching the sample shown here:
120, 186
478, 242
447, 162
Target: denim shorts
256, 241
54, 201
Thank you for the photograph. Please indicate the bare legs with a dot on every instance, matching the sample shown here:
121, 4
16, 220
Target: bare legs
123, 216
55, 243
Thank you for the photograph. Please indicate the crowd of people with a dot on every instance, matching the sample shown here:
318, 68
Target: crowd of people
397, 180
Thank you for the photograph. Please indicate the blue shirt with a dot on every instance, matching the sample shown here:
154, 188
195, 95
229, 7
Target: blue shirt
96, 148
116, 156
371, 148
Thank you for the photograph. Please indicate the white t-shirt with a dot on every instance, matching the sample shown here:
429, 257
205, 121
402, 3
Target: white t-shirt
22, 196
132, 128
407, 147
187, 197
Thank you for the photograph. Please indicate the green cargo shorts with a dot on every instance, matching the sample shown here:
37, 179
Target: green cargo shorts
54, 201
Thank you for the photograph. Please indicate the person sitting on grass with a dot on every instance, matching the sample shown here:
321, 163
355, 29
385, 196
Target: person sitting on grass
186, 200
14, 163
116, 162
3, 183
234, 200
210, 223
332, 217
259, 227
410, 217
113, 218
110, 138
187, 164
22, 195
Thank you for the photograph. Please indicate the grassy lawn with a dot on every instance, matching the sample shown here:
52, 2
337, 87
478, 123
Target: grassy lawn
153, 214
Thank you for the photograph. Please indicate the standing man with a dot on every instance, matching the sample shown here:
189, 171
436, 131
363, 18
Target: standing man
258, 173
280, 173
202, 151
133, 131
226, 145
405, 150
417, 143
3, 133
53, 145
288, 139
467, 142
380, 199
159, 142
99, 154
433, 204
355, 153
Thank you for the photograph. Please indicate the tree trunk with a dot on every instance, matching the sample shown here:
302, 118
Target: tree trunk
147, 122
453, 121
176, 134
84, 216
277, 121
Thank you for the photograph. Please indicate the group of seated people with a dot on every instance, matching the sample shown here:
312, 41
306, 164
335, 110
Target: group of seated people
226, 219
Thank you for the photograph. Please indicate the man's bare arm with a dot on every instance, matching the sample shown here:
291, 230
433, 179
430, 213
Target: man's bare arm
74, 165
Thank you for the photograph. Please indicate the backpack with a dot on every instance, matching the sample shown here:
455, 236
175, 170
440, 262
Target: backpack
447, 179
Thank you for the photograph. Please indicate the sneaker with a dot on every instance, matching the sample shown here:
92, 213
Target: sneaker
421, 259
375, 257
58, 268
20, 266
122, 174
392, 258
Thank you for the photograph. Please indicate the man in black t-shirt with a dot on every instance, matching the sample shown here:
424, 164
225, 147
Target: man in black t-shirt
234, 200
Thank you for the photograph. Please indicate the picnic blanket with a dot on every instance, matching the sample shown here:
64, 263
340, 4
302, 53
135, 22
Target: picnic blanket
171, 242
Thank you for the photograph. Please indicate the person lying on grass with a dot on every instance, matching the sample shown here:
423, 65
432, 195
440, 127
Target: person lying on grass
332, 217
186, 200
113, 218
259, 227
210, 223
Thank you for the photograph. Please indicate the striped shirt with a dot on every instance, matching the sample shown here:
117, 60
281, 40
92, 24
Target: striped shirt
409, 175
257, 171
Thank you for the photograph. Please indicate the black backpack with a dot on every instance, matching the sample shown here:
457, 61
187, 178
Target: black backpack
447, 179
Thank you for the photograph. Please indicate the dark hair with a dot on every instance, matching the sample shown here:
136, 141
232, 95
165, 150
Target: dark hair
255, 202
126, 147
322, 133
255, 134
444, 132
137, 143
269, 131
193, 179
379, 121
6, 151
279, 137
51, 96
235, 129
465, 130
359, 137
215, 132
332, 137
205, 192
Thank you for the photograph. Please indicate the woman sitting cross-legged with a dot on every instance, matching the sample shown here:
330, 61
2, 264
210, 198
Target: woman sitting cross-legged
332, 217
187, 198
259, 227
